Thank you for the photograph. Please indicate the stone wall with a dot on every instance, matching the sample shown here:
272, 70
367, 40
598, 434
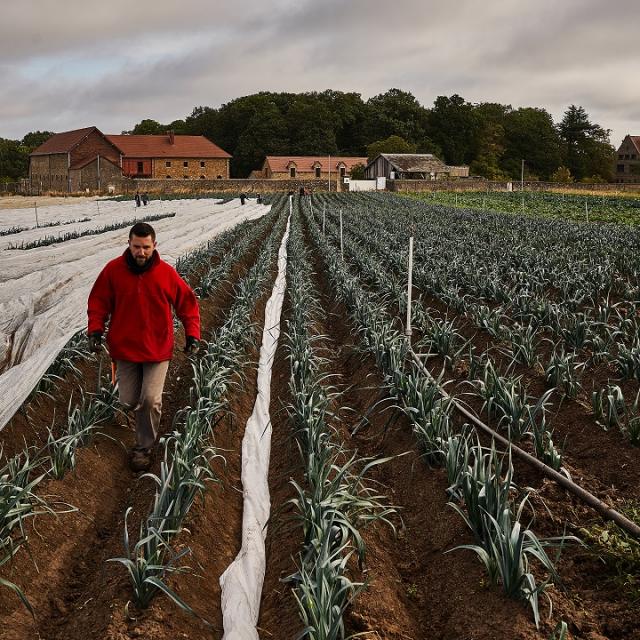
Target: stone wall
93, 176
488, 185
213, 167
218, 186
49, 173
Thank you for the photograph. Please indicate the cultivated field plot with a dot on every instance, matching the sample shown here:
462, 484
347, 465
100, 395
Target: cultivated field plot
390, 513
567, 206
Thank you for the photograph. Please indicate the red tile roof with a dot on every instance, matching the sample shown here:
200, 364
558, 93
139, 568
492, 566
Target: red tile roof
160, 147
63, 142
636, 141
304, 164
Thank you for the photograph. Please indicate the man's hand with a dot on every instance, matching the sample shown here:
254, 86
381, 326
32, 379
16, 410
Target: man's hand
192, 346
95, 342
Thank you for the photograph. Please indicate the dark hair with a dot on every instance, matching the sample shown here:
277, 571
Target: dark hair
142, 230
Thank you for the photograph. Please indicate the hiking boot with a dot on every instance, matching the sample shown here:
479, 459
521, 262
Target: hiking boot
141, 459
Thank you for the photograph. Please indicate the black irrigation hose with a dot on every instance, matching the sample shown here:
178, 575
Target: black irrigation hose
602, 508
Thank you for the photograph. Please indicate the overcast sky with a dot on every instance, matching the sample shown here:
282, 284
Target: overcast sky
67, 64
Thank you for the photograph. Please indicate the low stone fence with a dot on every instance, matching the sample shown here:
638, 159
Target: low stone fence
221, 186
490, 185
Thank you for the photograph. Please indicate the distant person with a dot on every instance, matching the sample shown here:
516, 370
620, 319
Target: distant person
259, 199
145, 199
243, 197
302, 192
135, 294
137, 199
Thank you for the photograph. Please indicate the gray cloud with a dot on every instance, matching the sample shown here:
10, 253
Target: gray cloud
114, 64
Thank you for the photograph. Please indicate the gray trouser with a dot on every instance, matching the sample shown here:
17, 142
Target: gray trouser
140, 386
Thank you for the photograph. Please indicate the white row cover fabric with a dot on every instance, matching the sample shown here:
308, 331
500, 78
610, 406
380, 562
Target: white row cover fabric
243, 579
43, 292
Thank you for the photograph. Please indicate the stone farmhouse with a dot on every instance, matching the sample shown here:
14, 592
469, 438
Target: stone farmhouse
88, 159
307, 167
628, 160
412, 166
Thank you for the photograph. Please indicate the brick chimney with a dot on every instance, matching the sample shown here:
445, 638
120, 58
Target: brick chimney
172, 137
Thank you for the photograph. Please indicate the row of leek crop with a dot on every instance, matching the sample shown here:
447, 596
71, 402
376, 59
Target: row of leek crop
481, 480
188, 454
335, 502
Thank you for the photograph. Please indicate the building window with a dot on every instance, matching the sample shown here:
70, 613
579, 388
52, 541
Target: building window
185, 163
185, 177
620, 156
167, 164
219, 177
202, 164
343, 172
168, 177
203, 177
620, 168
292, 172
317, 172
140, 167
633, 156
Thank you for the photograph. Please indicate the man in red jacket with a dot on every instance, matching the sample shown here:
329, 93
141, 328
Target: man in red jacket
135, 293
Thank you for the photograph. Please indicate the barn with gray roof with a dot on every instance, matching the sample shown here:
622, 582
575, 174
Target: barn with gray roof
412, 166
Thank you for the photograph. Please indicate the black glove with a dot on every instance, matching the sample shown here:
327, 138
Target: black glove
95, 341
192, 346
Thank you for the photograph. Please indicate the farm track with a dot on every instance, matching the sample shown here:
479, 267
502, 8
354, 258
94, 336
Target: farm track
401, 602
77, 594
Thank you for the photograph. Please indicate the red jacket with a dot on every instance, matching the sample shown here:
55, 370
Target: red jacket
139, 307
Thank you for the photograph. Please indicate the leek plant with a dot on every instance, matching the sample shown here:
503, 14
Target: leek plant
561, 372
335, 501
149, 562
506, 553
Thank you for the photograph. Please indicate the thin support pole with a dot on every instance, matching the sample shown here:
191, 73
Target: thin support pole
324, 217
341, 238
35, 206
408, 330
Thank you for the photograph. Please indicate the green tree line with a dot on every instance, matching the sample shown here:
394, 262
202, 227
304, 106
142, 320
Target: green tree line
14, 155
491, 138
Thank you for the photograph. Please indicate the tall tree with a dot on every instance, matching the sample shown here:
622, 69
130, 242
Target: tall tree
148, 127
585, 145
488, 142
392, 144
397, 113
34, 139
530, 135
14, 160
266, 134
310, 129
453, 127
